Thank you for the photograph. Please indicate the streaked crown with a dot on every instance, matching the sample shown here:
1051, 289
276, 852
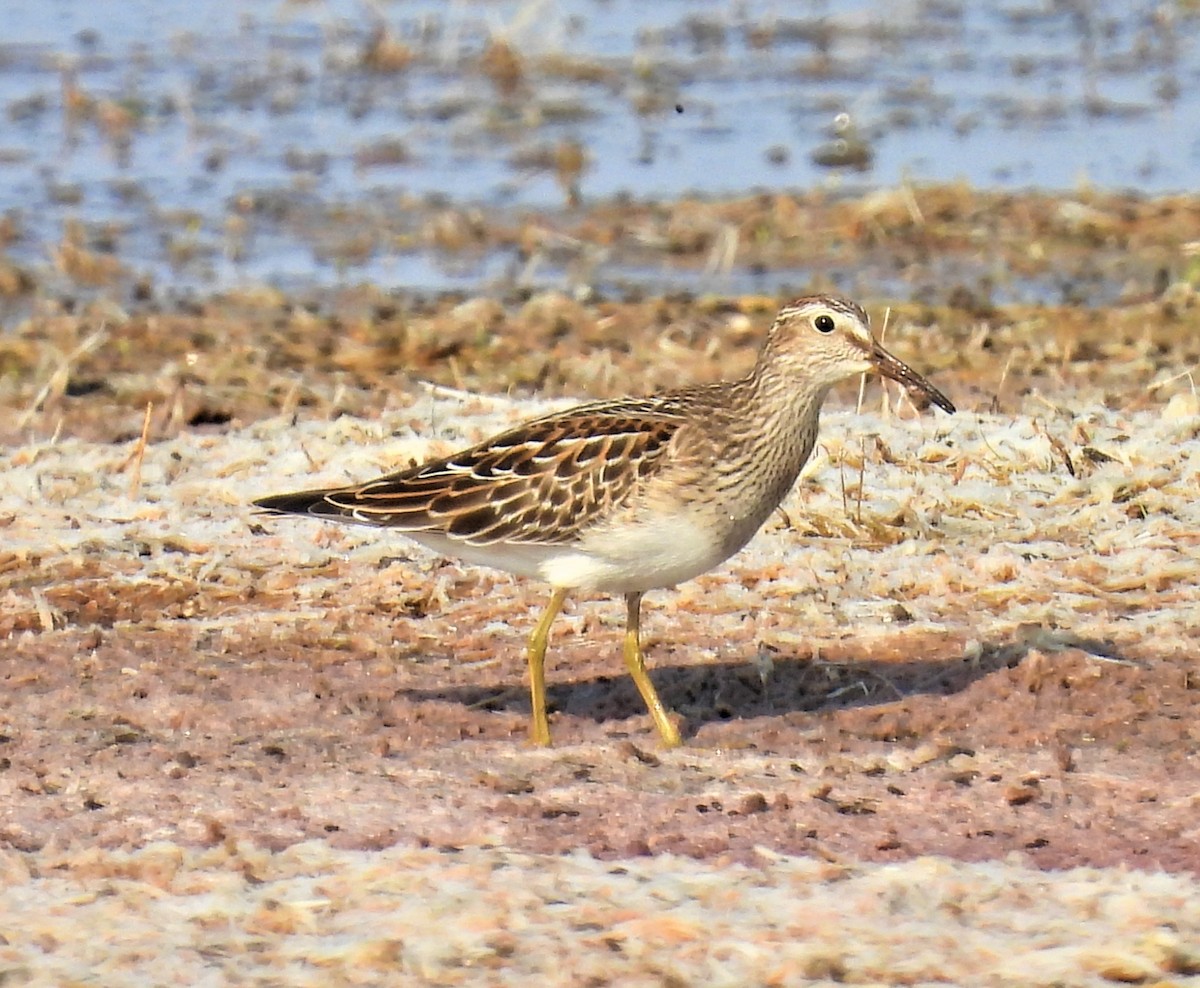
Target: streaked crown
820, 339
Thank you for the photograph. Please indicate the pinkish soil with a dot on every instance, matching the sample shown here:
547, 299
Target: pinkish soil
153, 729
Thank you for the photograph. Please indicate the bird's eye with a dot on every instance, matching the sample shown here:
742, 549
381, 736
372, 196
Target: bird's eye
824, 323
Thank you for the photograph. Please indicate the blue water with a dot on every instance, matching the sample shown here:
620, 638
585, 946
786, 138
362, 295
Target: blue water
1017, 95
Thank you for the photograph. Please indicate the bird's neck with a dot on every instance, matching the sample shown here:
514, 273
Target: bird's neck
786, 413
782, 401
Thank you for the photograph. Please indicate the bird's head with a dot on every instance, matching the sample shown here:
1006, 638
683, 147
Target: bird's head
821, 340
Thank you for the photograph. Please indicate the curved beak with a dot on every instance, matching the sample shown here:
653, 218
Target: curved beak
914, 383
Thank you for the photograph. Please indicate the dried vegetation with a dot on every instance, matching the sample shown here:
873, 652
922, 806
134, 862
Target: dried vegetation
971, 636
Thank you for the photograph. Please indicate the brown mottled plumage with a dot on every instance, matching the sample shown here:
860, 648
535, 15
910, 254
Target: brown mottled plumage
537, 484
630, 494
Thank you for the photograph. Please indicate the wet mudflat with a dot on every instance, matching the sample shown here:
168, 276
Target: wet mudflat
296, 144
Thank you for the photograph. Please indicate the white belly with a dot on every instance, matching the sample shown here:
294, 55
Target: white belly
617, 559
636, 558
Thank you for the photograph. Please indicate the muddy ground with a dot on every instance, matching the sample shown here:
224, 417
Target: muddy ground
988, 651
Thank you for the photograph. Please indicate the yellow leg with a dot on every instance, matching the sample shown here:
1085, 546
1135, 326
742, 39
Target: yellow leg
539, 727
637, 669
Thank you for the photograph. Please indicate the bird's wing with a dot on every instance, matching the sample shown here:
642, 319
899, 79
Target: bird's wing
541, 482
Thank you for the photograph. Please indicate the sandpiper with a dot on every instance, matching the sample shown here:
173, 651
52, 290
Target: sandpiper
632, 494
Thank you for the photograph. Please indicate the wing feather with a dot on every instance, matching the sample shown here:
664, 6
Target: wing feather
542, 482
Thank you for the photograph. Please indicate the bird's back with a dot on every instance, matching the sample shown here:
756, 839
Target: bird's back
543, 482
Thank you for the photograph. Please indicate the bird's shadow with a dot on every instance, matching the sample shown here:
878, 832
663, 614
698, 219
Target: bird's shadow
771, 684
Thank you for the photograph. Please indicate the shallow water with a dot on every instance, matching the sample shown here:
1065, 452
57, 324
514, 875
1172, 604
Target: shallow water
197, 115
